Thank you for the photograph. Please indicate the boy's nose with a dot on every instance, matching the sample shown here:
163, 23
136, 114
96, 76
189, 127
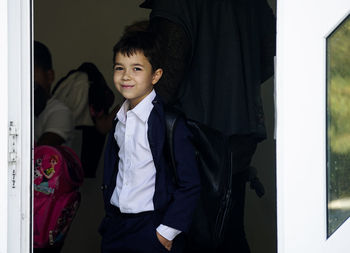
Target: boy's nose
126, 75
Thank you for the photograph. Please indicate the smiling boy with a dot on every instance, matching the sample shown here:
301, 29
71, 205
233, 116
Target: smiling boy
145, 210
134, 77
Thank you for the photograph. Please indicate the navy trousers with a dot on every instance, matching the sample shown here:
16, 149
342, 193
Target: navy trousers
134, 233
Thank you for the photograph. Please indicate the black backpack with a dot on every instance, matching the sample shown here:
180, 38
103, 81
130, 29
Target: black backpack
215, 165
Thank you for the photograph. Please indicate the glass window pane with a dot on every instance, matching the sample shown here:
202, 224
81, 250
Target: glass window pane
338, 125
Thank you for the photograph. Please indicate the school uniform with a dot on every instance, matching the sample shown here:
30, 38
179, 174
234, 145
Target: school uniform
139, 194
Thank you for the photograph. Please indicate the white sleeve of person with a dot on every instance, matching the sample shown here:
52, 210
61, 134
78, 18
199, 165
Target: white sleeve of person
58, 119
167, 232
74, 93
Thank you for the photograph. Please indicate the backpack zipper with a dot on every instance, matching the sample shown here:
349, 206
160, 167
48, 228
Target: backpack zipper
224, 208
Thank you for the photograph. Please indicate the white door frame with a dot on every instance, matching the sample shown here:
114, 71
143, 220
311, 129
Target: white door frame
298, 90
15, 99
3, 126
301, 126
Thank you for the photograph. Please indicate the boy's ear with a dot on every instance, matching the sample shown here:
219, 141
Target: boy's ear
157, 75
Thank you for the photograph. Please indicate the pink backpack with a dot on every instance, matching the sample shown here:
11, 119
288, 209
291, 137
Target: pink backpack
57, 176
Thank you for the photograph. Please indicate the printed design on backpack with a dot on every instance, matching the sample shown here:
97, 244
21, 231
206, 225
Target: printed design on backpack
57, 176
44, 170
58, 233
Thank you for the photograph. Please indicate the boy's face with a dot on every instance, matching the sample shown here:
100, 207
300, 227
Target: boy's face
133, 77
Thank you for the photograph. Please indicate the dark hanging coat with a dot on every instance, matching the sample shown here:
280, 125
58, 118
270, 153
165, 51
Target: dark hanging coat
218, 52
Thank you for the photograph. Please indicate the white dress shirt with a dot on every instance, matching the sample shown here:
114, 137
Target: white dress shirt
135, 183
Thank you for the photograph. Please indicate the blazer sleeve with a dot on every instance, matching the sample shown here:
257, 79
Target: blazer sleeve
180, 210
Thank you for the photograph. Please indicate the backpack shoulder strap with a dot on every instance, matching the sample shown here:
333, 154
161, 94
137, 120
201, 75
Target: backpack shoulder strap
58, 84
171, 117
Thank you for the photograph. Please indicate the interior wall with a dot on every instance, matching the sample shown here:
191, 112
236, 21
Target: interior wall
260, 213
86, 30
83, 30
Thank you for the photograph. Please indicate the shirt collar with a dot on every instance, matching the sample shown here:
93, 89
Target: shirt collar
121, 114
142, 110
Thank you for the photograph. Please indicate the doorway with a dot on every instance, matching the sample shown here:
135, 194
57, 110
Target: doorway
78, 31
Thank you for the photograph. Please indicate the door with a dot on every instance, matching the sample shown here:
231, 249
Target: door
313, 124
15, 126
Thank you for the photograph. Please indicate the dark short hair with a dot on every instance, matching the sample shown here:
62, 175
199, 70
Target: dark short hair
141, 25
145, 42
42, 56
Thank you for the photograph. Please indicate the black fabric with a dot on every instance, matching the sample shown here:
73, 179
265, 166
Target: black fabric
91, 149
235, 238
232, 44
101, 97
55, 249
136, 234
242, 149
175, 60
224, 167
214, 161
40, 99
146, 4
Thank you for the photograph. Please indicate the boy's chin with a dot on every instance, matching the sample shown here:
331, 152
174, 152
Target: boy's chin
127, 94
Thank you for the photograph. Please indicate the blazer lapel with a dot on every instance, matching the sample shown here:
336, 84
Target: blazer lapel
156, 128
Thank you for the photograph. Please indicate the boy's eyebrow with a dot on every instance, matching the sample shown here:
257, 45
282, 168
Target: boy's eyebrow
137, 64
133, 64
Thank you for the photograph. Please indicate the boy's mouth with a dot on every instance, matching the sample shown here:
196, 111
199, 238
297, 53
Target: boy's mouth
126, 86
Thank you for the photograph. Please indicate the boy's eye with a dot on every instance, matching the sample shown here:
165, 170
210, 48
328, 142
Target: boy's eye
137, 69
117, 68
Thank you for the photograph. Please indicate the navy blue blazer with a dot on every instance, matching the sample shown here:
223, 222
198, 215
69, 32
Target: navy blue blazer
177, 202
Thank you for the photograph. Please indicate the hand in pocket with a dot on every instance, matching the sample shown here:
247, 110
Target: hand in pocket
165, 242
